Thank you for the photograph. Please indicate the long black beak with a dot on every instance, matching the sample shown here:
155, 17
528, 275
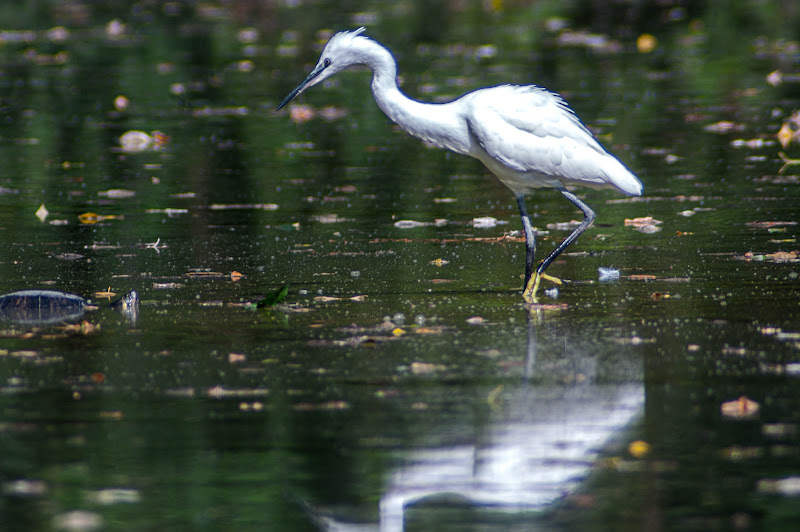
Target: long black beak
300, 88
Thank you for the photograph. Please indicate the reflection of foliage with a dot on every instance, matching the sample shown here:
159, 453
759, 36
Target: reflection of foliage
275, 298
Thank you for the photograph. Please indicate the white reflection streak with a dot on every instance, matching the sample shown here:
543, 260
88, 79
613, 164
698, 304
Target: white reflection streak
542, 450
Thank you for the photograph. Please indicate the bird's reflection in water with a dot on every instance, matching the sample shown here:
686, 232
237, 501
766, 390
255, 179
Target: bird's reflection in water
539, 441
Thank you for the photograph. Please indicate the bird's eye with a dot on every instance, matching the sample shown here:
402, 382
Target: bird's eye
327, 62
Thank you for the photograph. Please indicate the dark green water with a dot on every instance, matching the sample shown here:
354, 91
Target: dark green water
403, 381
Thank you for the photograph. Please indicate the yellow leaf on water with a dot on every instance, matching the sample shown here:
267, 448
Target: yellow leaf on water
639, 448
646, 43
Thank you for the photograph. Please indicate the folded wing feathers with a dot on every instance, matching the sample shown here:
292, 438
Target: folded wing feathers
530, 129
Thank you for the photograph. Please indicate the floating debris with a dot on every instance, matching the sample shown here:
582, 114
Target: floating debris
220, 392
24, 487
135, 141
138, 141
168, 211
233, 206
121, 103
646, 224
425, 368
607, 274
204, 274
778, 256
789, 486
639, 448
564, 226
110, 496
752, 144
42, 212
648, 229
93, 217
486, 222
329, 299
723, 126
409, 224
646, 43
117, 193
221, 111
330, 405
300, 113
552, 293
115, 28
68, 256
740, 408
638, 222
790, 130
78, 520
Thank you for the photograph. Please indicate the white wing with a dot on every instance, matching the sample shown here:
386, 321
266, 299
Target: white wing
529, 130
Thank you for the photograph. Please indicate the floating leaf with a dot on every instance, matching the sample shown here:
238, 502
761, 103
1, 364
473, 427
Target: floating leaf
275, 298
486, 222
648, 229
135, 141
424, 368
639, 448
778, 256
564, 226
790, 130
740, 408
300, 113
42, 212
724, 126
93, 217
111, 496
646, 43
769, 225
329, 218
639, 222
231, 206
330, 405
236, 358
409, 224
117, 193
789, 486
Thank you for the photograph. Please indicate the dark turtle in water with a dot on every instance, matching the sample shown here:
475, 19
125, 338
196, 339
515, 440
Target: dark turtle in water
47, 307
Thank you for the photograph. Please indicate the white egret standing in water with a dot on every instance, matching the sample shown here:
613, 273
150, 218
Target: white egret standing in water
526, 135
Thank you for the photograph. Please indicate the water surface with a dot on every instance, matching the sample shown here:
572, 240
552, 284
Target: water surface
403, 381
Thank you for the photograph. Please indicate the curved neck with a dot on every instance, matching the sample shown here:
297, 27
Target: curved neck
438, 124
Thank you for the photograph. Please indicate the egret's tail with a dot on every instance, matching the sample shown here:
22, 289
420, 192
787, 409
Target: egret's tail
618, 175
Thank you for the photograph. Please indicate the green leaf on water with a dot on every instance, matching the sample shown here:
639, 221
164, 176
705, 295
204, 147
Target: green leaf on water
274, 298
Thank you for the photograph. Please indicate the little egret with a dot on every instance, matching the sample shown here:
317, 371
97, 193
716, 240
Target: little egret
525, 135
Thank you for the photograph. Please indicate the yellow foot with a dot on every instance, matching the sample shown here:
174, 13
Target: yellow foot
529, 295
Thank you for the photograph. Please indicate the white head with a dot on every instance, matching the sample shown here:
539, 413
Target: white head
342, 51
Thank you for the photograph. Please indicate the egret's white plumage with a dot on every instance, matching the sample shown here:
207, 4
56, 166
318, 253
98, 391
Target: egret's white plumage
526, 135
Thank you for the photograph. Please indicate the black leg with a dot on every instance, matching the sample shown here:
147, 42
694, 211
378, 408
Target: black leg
530, 239
588, 219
